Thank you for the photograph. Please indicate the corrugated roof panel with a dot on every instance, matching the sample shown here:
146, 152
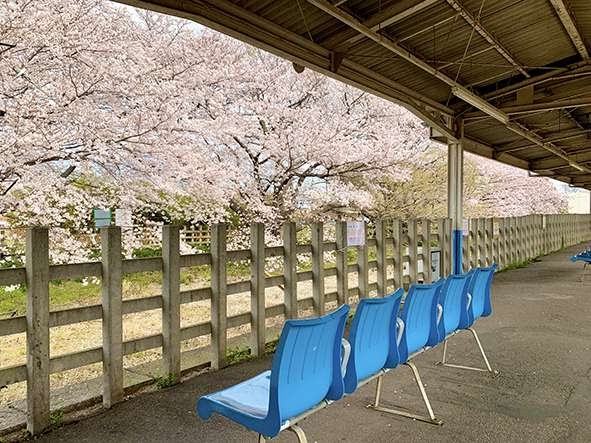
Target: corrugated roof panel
582, 12
536, 38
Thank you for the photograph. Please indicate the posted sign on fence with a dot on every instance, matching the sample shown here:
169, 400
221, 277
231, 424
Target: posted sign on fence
435, 264
355, 233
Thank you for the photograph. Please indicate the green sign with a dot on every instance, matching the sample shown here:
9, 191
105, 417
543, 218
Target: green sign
102, 218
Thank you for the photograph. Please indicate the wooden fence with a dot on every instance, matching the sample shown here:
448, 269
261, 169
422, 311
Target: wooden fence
400, 254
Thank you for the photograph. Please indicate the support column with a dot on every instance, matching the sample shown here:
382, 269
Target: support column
455, 195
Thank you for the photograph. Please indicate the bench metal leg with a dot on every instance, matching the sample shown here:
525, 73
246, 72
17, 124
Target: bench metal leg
430, 419
299, 432
489, 369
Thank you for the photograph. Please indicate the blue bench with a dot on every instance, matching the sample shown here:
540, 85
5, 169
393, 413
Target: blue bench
585, 257
314, 366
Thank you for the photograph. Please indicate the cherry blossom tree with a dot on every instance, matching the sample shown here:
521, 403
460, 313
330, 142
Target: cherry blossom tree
104, 106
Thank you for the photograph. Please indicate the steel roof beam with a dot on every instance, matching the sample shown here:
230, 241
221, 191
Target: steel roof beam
570, 27
552, 137
472, 21
392, 14
557, 163
457, 89
537, 107
538, 79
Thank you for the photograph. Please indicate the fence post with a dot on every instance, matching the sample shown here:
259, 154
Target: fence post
466, 245
397, 237
112, 316
426, 250
318, 268
412, 250
509, 240
290, 265
381, 247
441, 245
171, 302
517, 229
218, 296
363, 266
257, 288
37, 272
474, 243
530, 237
342, 263
447, 245
502, 245
523, 236
490, 241
481, 235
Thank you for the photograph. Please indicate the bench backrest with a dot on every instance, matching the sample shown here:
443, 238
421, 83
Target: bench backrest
373, 338
480, 286
420, 319
454, 300
307, 364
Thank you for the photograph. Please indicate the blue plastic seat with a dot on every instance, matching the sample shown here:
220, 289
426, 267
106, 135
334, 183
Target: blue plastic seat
419, 321
585, 257
420, 316
479, 303
373, 340
454, 300
305, 375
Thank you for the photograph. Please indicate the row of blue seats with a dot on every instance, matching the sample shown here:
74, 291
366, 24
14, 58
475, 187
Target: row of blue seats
314, 365
585, 257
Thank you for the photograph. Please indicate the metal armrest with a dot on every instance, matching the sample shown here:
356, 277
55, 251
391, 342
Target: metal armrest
439, 313
400, 324
346, 354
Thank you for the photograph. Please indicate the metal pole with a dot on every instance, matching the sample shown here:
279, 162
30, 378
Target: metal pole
455, 188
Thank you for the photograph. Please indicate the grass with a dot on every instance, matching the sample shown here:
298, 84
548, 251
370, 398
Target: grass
517, 265
237, 355
166, 382
56, 419
13, 299
240, 354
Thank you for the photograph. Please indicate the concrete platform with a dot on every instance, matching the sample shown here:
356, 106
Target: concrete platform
539, 338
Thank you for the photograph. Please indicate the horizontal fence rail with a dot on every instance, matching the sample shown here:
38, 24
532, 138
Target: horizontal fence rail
394, 254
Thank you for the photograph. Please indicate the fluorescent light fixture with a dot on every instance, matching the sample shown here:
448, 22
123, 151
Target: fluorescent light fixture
480, 104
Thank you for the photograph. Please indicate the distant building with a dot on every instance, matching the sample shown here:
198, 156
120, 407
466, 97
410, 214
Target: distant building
578, 202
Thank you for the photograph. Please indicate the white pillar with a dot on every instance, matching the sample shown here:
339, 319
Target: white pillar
455, 195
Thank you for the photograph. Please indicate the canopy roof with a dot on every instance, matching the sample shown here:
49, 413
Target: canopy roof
510, 78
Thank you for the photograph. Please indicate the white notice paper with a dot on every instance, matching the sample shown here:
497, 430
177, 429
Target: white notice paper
123, 217
355, 233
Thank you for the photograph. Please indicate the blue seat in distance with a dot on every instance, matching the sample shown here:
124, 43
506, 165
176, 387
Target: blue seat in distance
471, 294
419, 320
305, 376
372, 338
585, 257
